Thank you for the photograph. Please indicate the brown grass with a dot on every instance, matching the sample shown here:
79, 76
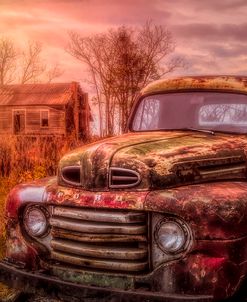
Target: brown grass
24, 159
27, 158
20, 156
4, 291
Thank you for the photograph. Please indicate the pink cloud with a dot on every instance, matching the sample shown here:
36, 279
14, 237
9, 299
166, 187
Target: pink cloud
205, 31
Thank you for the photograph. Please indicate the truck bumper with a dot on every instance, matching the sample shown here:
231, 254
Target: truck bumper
35, 282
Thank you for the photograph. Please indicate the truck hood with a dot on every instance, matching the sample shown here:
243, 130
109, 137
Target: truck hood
158, 159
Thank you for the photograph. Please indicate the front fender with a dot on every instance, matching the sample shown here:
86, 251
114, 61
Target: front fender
217, 216
33, 192
213, 210
18, 249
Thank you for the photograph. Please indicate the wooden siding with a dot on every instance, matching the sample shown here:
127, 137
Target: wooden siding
6, 120
32, 118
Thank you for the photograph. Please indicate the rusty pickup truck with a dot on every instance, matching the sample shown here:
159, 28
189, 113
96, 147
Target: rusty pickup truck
158, 213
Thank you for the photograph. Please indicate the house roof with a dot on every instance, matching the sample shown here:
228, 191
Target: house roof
234, 83
36, 94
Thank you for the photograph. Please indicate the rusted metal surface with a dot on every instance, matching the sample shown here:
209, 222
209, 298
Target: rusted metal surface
100, 278
50, 284
208, 270
233, 83
175, 161
17, 249
60, 195
97, 157
163, 159
214, 210
34, 192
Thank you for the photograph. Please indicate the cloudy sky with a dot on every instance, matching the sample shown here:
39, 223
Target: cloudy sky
211, 35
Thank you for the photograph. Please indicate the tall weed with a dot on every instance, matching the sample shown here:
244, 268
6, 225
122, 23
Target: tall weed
25, 158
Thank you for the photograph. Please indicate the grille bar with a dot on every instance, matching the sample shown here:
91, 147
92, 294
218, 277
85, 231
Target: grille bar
94, 227
124, 266
90, 250
84, 237
117, 241
99, 216
211, 168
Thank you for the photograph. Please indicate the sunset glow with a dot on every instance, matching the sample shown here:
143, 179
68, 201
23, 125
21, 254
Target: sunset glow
210, 35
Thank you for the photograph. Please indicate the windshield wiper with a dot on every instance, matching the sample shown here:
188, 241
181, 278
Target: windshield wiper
199, 130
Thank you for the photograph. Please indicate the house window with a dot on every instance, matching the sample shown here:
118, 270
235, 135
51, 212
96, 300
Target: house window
44, 118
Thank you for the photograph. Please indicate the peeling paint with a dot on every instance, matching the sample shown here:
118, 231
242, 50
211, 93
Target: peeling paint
234, 83
199, 179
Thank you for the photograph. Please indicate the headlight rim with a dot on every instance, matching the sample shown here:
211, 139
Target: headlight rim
185, 228
46, 215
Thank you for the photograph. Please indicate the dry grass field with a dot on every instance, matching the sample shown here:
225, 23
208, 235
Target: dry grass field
4, 291
2, 204
24, 159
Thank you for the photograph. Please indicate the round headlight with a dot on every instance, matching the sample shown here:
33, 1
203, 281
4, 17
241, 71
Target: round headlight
35, 221
171, 236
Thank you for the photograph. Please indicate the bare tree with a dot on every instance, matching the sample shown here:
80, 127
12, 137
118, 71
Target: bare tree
54, 72
88, 50
120, 62
32, 67
27, 66
8, 55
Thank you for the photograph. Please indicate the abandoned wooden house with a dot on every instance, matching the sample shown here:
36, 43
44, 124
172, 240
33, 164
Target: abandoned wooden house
44, 109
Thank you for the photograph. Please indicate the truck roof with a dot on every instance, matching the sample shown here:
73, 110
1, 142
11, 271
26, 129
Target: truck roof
219, 82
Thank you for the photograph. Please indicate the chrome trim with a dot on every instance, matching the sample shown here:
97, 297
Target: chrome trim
186, 230
99, 216
238, 169
111, 177
100, 239
96, 227
105, 252
46, 215
120, 265
161, 256
97, 238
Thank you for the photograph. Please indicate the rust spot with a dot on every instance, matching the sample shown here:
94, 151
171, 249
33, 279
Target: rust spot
204, 82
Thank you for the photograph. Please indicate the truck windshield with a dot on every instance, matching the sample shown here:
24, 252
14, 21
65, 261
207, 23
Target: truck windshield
214, 111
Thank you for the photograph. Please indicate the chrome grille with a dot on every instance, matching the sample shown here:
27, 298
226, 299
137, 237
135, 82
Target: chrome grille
123, 178
219, 168
100, 239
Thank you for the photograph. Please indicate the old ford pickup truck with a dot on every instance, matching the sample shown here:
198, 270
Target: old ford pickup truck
159, 213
